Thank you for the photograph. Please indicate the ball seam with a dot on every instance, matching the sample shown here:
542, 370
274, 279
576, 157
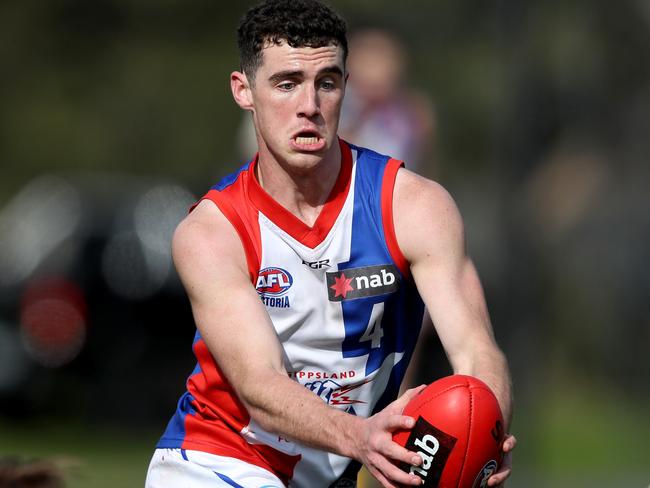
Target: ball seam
469, 436
449, 388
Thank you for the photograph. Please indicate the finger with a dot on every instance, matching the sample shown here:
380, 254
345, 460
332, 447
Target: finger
398, 422
509, 443
396, 475
382, 479
499, 477
503, 473
408, 395
415, 390
379, 476
399, 453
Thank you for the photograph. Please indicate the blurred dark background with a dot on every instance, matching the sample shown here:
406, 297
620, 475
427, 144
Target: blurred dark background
116, 114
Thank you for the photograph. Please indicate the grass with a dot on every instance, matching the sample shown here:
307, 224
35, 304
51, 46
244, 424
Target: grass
93, 457
571, 438
580, 437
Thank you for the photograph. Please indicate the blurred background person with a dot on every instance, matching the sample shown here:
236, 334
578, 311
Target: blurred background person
381, 108
19, 473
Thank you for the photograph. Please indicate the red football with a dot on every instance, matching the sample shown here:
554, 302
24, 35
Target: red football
458, 433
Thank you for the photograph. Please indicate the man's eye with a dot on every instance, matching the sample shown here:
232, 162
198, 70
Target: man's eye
327, 85
286, 85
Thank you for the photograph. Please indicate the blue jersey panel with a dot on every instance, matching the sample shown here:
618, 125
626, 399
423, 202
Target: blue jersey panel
226, 181
400, 324
175, 433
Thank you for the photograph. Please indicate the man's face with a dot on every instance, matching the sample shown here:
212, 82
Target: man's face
297, 96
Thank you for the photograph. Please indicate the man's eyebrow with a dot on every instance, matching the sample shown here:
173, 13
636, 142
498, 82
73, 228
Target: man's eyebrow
282, 75
331, 70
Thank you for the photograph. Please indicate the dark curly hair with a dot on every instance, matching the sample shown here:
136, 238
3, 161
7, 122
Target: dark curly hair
299, 23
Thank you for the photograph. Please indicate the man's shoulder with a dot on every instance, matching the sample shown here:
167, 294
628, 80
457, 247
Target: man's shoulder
205, 223
200, 223
424, 212
205, 236
419, 190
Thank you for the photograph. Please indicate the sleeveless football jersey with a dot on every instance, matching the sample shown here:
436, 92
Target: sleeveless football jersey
343, 304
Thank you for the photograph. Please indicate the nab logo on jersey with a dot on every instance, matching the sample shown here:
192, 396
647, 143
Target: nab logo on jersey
272, 286
367, 281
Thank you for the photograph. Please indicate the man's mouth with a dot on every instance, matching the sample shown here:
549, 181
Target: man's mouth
306, 140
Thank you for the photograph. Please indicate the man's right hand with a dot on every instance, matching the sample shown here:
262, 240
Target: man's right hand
376, 449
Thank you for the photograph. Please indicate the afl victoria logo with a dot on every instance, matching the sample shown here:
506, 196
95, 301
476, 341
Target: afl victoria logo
273, 282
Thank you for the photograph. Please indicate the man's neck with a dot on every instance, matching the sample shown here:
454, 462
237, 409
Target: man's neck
302, 191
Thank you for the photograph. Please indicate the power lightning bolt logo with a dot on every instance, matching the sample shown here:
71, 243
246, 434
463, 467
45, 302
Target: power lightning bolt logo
340, 397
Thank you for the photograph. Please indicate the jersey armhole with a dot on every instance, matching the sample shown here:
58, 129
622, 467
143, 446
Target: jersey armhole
387, 190
250, 249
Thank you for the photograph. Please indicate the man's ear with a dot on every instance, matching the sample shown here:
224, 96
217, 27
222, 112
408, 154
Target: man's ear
241, 90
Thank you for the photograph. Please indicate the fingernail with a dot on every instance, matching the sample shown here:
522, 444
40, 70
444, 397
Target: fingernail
416, 460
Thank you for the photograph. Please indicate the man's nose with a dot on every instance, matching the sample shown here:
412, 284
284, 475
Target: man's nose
309, 103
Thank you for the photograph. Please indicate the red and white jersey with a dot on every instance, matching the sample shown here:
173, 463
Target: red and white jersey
342, 302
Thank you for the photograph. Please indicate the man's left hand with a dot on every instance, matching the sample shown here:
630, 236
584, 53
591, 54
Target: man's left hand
498, 478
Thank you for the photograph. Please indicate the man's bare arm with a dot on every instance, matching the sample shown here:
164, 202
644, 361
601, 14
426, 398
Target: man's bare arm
430, 233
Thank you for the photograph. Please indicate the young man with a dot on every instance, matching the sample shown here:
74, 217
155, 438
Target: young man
305, 270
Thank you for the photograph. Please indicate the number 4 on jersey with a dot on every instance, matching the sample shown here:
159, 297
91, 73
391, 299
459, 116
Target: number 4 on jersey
374, 332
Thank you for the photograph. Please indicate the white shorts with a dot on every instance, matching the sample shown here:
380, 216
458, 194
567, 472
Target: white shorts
180, 468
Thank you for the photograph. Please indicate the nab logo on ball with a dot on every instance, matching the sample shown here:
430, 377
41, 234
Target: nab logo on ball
272, 286
367, 281
433, 446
